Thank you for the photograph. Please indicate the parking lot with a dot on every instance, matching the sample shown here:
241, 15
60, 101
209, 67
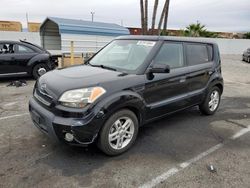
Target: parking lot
172, 152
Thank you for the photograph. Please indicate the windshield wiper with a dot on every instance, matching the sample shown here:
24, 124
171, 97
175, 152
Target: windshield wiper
103, 67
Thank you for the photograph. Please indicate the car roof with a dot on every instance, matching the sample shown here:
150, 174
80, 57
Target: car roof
161, 38
10, 41
25, 43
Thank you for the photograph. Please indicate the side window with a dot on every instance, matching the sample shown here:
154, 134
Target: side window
170, 54
197, 54
23, 49
6, 48
210, 52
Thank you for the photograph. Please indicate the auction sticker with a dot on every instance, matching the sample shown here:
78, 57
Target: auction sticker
146, 43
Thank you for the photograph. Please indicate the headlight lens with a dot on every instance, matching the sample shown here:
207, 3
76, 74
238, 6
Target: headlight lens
79, 98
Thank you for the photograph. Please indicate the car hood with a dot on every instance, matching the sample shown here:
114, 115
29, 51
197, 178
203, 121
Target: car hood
61, 80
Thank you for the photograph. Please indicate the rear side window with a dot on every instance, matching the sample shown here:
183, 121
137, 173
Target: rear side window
210, 52
170, 54
197, 54
24, 49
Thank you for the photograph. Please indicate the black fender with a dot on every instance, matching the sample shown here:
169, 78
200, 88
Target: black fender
40, 58
124, 99
216, 79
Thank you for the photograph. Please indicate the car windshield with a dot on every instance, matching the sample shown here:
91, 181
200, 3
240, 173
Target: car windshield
123, 55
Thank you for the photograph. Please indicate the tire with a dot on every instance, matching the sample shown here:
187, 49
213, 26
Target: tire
248, 59
36, 68
207, 108
113, 126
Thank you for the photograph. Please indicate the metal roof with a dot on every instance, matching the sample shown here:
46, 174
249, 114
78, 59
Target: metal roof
71, 26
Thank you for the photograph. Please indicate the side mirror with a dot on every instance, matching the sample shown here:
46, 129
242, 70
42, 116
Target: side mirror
160, 68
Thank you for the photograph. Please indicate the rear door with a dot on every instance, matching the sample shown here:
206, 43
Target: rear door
199, 58
167, 92
23, 54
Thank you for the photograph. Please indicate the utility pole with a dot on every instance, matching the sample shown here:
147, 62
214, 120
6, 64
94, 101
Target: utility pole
27, 20
92, 16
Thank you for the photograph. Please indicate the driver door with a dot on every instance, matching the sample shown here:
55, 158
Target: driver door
167, 92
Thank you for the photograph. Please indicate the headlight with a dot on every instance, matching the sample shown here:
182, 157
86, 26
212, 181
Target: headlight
79, 98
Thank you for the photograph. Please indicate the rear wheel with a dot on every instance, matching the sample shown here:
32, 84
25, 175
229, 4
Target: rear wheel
248, 59
211, 102
118, 133
39, 69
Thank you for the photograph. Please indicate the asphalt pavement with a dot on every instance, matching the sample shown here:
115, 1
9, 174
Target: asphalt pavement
172, 152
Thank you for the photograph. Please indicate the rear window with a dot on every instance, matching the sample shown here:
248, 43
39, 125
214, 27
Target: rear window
210, 52
197, 54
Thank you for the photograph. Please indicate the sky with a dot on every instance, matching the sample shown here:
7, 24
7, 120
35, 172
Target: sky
217, 15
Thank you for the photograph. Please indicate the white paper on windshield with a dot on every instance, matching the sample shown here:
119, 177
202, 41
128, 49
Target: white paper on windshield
146, 43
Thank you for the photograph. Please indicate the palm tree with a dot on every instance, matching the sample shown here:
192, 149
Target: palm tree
154, 16
198, 30
195, 30
142, 16
165, 8
146, 17
166, 18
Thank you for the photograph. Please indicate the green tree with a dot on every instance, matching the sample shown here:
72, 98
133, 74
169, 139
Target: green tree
198, 30
247, 35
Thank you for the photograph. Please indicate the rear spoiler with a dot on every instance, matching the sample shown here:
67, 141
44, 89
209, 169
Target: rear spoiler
33, 45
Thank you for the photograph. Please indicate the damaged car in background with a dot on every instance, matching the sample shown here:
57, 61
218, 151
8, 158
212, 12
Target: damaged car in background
246, 55
24, 59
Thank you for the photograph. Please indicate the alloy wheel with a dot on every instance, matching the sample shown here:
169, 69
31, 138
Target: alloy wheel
121, 133
214, 100
41, 70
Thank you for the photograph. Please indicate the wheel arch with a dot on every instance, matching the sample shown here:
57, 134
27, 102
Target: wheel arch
220, 86
124, 100
38, 59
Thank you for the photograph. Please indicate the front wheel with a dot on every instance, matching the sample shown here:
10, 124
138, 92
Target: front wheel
211, 102
39, 69
118, 133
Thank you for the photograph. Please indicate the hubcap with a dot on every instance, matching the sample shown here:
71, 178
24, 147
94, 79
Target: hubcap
121, 133
214, 100
41, 71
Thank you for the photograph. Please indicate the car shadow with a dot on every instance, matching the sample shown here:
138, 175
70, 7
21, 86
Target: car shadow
177, 137
11, 79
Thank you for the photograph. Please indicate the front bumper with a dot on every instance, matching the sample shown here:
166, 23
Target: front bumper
84, 129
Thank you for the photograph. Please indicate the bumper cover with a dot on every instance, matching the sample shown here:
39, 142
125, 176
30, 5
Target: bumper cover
84, 129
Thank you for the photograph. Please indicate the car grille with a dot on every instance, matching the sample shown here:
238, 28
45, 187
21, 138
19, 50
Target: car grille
43, 97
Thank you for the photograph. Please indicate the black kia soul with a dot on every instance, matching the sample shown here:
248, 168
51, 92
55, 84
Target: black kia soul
130, 82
